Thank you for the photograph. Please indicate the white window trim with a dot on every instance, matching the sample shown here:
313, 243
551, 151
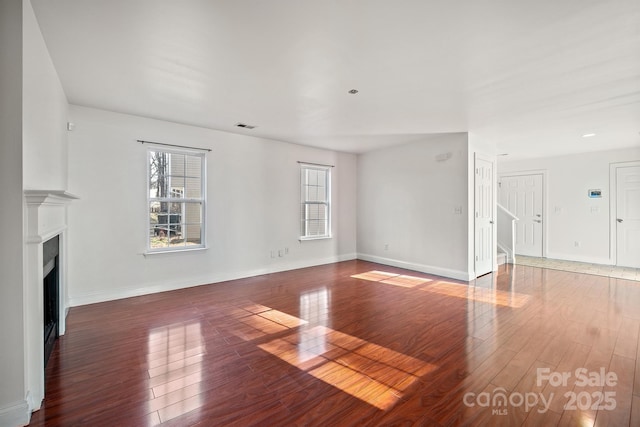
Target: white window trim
175, 251
203, 200
327, 169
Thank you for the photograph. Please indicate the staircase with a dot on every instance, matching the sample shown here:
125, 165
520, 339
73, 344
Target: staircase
506, 222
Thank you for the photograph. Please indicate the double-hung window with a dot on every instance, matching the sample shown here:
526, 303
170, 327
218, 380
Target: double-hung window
176, 199
315, 209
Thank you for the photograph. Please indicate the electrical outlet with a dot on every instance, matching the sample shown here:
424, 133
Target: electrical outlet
286, 251
280, 252
386, 246
273, 254
576, 244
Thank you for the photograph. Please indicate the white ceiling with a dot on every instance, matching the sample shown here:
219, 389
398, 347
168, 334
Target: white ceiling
528, 76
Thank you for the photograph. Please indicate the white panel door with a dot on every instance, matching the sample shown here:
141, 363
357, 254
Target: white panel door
522, 195
484, 206
628, 216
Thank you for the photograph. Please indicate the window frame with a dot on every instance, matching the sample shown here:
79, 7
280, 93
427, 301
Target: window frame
202, 200
304, 202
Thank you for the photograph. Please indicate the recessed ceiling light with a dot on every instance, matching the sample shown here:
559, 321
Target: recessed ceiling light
588, 135
503, 154
353, 91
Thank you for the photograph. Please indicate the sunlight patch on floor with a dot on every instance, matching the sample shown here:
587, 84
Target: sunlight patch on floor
491, 296
257, 321
372, 373
174, 355
392, 278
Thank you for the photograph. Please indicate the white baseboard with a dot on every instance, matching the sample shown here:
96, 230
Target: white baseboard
34, 404
423, 268
15, 415
152, 288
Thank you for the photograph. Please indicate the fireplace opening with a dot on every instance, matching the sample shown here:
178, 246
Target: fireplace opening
51, 293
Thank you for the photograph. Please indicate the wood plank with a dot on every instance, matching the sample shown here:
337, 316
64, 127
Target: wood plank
635, 411
582, 412
627, 343
556, 392
517, 367
624, 369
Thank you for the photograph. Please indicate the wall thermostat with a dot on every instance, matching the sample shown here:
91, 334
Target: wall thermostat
595, 194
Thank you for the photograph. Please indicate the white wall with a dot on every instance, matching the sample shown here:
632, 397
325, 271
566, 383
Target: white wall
44, 145
253, 207
407, 200
569, 213
45, 113
13, 406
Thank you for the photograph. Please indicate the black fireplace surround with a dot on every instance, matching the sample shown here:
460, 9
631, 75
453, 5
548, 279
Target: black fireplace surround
51, 293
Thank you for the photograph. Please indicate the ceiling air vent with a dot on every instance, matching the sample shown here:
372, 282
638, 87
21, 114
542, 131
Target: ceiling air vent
244, 125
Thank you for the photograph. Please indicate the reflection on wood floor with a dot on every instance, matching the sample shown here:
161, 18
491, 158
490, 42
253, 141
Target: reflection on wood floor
355, 343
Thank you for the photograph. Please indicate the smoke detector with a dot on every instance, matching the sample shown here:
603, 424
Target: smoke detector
244, 125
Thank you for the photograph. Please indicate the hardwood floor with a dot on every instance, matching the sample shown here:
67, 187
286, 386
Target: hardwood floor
355, 343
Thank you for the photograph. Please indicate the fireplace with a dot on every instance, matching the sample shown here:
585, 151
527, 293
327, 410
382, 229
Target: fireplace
51, 294
45, 283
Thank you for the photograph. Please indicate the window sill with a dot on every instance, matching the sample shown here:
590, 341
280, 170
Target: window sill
174, 251
304, 239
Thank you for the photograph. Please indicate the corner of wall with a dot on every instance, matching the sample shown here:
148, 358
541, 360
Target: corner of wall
413, 205
422, 268
471, 163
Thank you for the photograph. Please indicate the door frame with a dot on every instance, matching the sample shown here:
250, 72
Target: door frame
494, 229
545, 209
613, 207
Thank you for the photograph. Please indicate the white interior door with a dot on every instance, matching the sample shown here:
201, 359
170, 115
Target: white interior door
484, 207
523, 196
628, 216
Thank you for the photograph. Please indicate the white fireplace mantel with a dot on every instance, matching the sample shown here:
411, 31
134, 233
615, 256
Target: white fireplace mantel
46, 217
46, 213
50, 197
